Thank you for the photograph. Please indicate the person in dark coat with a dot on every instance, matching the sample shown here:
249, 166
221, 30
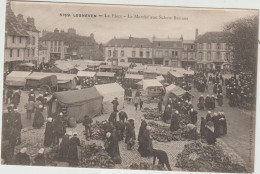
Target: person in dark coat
201, 103
6, 126
120, 129
122, 116
141, 102
141, 133
15, 126
207, 102
209, 133
163, 158
175, 121
208, 116
167, 113
213, 102
16, 99
87, 123
112, 146
222, 123
160, 106
115, 104
59, 128
220, 99
73, 158
112, 117
38, 119
40, 160
193, 116
130, 133
22, 158
202, 127
215, 120
48, 134
9, 95
64, 147
146, 143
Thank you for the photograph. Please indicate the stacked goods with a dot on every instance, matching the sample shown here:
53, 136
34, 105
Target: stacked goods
151, 114
93, 156
146, 166
163, 133
207, 158
184, 119
98, 130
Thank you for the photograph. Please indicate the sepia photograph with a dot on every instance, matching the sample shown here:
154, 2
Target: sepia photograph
132, 87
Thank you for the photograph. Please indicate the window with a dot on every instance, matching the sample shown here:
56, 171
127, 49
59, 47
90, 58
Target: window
173, 53
33, 52
13, 39
28, 53
166, 53
185, 47
33, 40
20, 39
208, 46
176, 53
201, 46
122, 53
200, 56
147, 53
133, 53
58, 49
158, 53
141, 54
115, 54
159, 44
11, 53
218, 46
209, 56
218, 56
18, 53
192, 47
109, 53
166, 62
185, 55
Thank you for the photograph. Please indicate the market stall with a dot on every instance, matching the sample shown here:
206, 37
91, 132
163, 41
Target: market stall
17, 78
110, 91
151, 87
105, 77
175, 91
79, 103
174, 77
130, 80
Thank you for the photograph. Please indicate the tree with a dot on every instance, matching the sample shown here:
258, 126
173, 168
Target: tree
244, 39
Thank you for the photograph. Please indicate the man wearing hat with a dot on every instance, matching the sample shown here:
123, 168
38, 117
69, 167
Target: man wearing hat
115, 104
29, 106
9, 95
39, 160
22, 158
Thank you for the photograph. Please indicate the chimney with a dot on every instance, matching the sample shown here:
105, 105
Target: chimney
20, 17
56, 30
62, 31
30, 21
92, 35
130, 37
196, 33
72, 31
181, 38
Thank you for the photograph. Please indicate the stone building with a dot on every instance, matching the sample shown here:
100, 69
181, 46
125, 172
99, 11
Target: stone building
137, 50
213, 51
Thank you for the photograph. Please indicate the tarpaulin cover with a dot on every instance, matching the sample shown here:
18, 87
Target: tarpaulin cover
86, 74
64, 66
175, 90
105, 74
134, 76
176, 74
81, 102
151, 83
110, 91
17, 78
27, 64
160, 78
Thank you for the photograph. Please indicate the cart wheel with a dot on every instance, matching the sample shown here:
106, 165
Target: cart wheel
45, 88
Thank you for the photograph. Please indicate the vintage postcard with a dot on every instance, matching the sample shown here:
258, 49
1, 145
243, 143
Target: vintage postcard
129, 87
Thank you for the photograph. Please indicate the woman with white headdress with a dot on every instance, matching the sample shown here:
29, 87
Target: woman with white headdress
39, 160
48, 134
64, 147
22, 158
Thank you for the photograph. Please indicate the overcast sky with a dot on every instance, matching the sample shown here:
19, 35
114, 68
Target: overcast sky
47, 16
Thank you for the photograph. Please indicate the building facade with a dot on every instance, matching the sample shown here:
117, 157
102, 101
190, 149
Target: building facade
167, 52
213, 51
137, 50
44, 55
188, 59
21, 40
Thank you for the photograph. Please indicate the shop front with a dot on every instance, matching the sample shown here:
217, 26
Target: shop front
140, 60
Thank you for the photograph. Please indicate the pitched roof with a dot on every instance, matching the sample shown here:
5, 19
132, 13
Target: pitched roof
74, 41
130, 42
12, 25
168, 44
213, 37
